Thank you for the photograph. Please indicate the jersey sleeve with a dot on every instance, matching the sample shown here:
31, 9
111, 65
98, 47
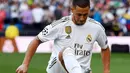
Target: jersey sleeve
102, 39
48, 33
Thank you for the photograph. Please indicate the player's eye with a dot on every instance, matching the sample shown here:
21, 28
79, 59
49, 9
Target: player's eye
79, 14
85, 14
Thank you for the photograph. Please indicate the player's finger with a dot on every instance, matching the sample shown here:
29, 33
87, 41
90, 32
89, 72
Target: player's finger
17, 70
24, 71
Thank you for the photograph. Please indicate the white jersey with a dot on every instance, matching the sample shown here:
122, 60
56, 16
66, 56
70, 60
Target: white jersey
81, 38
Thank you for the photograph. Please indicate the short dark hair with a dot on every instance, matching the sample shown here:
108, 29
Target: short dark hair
81, 3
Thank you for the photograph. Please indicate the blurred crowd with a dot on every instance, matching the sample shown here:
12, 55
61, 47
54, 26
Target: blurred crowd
32, 15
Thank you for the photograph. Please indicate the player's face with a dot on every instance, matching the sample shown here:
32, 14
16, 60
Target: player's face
80, 15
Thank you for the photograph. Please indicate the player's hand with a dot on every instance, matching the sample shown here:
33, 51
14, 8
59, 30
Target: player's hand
22, 69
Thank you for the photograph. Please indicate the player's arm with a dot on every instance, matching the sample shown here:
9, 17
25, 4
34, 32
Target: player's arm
31, 50
105, 53
48, 33
28, 56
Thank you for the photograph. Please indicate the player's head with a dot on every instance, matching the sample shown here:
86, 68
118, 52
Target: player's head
80, 10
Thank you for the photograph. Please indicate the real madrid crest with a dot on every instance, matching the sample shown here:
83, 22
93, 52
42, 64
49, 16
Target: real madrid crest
68, 30
89, 38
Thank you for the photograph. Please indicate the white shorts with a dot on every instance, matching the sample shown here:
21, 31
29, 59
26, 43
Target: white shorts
54, 66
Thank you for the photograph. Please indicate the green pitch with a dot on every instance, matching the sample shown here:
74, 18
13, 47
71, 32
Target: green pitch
120, 63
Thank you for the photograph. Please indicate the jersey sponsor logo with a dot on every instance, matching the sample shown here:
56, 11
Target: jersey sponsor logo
89, 38
45, 31
68, 30
80, 51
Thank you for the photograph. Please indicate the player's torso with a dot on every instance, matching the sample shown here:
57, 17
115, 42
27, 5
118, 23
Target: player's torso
80, 38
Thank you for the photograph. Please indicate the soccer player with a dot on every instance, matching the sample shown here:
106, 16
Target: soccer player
73, 37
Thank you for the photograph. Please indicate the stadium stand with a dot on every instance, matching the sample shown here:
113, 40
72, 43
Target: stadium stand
112, 14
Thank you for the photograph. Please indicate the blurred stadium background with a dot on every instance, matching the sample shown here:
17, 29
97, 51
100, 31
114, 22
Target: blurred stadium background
21, 20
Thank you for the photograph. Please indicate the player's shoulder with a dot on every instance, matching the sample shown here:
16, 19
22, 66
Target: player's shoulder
60, 22
57, 25
96, 24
